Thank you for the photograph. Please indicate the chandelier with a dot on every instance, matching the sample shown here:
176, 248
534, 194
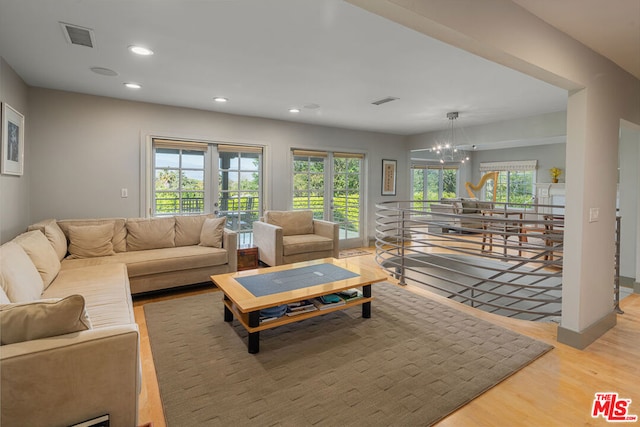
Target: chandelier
447, 151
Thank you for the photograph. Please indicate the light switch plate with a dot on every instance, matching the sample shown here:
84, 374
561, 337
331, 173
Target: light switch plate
594, 214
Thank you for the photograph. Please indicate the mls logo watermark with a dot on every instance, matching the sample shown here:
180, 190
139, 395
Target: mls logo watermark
612, 408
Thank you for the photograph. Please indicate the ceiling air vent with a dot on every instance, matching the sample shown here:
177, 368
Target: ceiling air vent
78, 35
384, 100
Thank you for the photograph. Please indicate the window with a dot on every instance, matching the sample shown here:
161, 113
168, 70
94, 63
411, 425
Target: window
515, 184
308, 182
433, 182
330, 184
179, 178
239, 188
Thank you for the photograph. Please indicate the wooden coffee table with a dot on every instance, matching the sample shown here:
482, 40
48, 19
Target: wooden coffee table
245, 306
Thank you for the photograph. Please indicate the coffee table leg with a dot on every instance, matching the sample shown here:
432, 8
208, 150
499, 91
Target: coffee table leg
228, 315
254, 337
366, 307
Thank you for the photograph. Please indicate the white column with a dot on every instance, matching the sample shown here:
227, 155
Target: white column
592, 160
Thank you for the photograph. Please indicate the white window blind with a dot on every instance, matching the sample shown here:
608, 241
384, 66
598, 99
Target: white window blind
515, 165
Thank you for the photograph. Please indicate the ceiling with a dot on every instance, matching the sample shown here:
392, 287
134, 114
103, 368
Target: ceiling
328, 58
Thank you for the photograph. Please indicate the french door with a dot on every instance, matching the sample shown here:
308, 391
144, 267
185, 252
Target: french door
191, 177
329, 184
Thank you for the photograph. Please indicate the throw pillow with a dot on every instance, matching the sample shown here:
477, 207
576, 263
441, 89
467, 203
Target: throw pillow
118, 241
42, 319
212, 232
89, 241
20, 278
56, 237
150, 233
188, 229
42, 254
54, 234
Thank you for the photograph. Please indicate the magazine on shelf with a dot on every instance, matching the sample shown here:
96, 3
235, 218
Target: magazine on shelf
322, 305
350, 294
300, 307
304, 309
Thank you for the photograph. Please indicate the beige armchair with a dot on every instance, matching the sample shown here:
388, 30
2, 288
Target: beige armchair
284, 237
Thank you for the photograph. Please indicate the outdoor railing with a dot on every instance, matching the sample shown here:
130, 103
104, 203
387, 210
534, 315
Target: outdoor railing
502, 259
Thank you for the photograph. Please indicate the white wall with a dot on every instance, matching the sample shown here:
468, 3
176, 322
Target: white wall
14, 190
629, 190
86, 148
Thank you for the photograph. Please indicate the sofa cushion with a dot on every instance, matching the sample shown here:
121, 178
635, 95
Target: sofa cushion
469, 206
150, 233
188, 229
305, 243
89, 241
42, 254
43, 318
156, 261
292, 222
212, 231
54, 234
119, 230
105, 289
19, 277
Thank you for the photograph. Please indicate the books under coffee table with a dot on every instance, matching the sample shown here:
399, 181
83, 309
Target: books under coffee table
247, 293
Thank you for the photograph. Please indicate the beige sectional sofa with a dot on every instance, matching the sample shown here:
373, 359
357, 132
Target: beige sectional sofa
284, 237
69, 342
160, 253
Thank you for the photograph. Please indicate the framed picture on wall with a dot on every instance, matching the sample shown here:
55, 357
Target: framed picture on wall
12, 161
389, 177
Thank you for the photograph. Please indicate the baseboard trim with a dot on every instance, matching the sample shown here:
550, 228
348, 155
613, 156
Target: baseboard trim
581, 340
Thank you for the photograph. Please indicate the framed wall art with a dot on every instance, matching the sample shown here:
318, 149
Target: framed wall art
12, 161
389, 177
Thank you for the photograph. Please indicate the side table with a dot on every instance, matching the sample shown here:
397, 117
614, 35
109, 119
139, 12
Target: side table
247, 257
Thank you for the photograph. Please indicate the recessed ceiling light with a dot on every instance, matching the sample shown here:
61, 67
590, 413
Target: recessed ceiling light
139, 50
133, 85
104, 71
294, 110
220, 99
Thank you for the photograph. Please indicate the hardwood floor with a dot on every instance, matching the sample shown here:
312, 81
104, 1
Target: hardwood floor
556, 390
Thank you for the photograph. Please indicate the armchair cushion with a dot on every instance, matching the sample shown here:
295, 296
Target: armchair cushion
305, 243
292, 222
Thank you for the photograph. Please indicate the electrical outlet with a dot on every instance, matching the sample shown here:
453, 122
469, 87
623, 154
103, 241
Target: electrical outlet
594, 214
124, 192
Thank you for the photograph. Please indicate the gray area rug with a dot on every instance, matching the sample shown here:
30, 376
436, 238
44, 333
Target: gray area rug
411, 364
